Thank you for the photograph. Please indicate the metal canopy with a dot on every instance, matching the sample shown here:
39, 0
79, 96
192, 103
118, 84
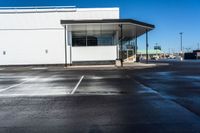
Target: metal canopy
131, 28
126, 29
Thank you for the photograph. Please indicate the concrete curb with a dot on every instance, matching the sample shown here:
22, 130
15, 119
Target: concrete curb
87, 67
126, 65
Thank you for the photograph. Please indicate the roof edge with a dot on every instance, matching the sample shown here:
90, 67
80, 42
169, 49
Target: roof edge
136, 22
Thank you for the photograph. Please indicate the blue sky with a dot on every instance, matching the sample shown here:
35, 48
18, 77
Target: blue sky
169, 16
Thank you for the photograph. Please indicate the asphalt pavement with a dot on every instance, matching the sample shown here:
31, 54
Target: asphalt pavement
156, 99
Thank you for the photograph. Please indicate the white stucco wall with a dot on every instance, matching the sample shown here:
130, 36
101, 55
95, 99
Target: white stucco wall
26, 36
92, 53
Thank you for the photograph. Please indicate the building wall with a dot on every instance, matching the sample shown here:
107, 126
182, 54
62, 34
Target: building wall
30, 37
29, 47
92, 53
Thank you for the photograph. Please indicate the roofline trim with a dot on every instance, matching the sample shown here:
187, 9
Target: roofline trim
37, 7
131, 21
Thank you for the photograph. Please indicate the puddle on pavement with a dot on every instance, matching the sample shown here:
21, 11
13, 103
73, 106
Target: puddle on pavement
164, 73
102, 93
193, 77
147, 90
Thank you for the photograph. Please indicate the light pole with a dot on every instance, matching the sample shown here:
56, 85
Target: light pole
156, 44
181, 37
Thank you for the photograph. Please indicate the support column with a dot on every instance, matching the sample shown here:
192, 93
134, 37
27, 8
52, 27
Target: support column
117, 44
119, 61
147, 46
136, 44
69, 39
121, 43
135, 48
65, 37
70, 49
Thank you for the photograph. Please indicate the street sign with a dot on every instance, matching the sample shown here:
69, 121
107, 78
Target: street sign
157, 47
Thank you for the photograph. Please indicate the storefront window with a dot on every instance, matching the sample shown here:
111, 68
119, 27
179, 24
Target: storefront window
79, 38
92, 38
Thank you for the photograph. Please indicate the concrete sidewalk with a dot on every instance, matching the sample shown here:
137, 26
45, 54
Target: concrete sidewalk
82, 67
125, 65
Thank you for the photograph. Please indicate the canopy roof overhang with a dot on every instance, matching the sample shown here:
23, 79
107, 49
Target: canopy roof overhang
130, 28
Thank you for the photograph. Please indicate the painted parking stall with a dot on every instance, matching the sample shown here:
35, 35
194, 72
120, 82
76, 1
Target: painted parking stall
34, 82
40, 84
100, 100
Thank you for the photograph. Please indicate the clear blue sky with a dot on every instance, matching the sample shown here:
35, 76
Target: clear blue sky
169, 16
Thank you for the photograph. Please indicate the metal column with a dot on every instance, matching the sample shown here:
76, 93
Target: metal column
147, 46
121, 43
65, 36
70, 49
136, 43
117, 45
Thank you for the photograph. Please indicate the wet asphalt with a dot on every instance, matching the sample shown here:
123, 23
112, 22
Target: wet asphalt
160, 99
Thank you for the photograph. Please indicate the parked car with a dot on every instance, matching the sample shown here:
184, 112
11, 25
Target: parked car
172, 57
155, 57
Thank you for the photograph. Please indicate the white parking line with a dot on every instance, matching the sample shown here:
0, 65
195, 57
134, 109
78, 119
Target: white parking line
75, 88
10, 87
5, 89
39, 68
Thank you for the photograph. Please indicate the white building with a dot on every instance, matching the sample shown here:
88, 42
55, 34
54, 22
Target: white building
66, 35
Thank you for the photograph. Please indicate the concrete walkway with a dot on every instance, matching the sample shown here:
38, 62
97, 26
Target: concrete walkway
125, 65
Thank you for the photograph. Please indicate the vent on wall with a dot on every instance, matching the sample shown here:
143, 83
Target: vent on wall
46, 51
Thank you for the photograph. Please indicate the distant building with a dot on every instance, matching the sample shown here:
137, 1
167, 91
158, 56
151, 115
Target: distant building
152, 53
194, 55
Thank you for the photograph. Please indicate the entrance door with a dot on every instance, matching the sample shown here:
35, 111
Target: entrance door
129, 55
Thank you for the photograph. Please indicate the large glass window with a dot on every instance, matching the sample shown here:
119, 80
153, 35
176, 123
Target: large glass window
105, 40
93, 38
79, 38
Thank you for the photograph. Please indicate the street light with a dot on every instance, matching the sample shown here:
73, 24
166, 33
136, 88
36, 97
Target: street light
156, 48
181, 37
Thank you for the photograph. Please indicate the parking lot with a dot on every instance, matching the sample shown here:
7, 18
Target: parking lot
154, 99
